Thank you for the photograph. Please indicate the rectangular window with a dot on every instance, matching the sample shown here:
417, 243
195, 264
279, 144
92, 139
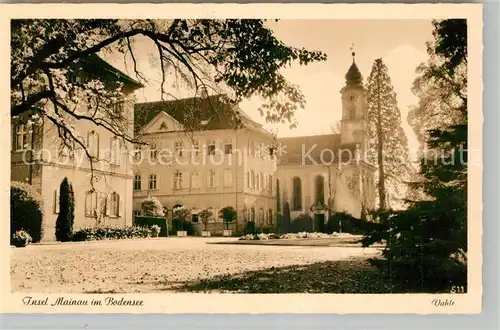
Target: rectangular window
270, 183
262, 181
137, 213
179, 148
137, 183
152, 182
153, 151
91, 204
251, 148
115, 204
257, 181
137, 152
93, 144
228, 178
212, 180
257, 150
228, 147
196, 147
115, 151
211, 147
23, 137
178, 180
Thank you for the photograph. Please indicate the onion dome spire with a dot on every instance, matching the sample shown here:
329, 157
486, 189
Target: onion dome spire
353, 76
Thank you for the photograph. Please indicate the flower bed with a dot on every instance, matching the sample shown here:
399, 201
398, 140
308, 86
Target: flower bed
301, 235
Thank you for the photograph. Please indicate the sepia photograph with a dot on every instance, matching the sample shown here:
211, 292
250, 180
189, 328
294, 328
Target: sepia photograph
239, 155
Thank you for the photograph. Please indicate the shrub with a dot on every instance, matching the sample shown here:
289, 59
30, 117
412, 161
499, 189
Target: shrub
286, 224
250, 227
26, 210
151, 207
66, 217
142, 221
341, 222
155, 230
21, 238
228, 215
100, 233
265, 230
303, 223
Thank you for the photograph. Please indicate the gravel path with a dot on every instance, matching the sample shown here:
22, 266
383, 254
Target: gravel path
151, 265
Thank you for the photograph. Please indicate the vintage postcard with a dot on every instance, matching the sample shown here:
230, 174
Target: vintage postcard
267, 158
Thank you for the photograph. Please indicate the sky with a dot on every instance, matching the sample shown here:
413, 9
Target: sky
400, 43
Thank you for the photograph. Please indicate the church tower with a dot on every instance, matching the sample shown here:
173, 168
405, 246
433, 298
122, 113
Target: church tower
353, 128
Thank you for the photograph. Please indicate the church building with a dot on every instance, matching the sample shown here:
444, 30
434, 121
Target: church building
330, 173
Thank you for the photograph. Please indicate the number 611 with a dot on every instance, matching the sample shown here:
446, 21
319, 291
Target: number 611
457, 289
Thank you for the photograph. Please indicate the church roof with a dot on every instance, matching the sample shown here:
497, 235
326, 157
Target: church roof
353, 76
316, 149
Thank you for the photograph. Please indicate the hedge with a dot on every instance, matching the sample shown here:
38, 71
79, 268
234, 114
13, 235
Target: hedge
26, 210
101, 233
151, 221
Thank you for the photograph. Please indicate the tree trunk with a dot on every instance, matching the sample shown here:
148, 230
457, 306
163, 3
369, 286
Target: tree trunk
380, 149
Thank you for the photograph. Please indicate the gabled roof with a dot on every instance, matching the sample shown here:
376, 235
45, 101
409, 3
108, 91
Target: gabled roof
209, 113
320, 148
94, 65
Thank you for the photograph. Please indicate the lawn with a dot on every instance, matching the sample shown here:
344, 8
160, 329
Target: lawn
354, 275
159, 265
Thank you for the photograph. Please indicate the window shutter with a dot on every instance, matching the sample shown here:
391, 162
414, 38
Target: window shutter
108, 202
118, 152
87, 203
120, 206
56, 201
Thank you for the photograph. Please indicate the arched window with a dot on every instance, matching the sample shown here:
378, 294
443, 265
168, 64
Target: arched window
195, 180
252, 214
261, 217
319, 184
297, 194
270, 217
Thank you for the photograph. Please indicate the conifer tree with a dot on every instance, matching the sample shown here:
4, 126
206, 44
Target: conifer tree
65, 219
427, 243
388, 144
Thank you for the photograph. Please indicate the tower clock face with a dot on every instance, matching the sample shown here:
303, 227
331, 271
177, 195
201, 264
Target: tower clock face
352, 97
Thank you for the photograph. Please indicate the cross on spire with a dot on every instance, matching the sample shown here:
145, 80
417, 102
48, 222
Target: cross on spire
352, 51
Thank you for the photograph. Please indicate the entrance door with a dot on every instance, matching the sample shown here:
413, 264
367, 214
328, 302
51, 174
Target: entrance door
319, 222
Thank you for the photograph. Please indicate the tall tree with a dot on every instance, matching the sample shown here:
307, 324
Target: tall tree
66, 216
388, 144
239, 56
427, 243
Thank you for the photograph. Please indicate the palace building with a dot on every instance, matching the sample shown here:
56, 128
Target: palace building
203, 153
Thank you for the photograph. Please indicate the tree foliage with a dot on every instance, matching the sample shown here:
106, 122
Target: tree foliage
427, 243
26, 210
205, 217
228, 214
66, 216
241, 57
151, 207
388, 144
